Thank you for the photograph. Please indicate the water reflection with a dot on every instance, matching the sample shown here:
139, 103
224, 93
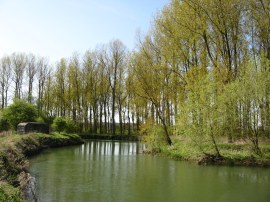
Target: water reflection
116, 171
108, 148
243, 174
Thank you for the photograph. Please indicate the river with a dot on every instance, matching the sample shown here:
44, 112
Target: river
108, 171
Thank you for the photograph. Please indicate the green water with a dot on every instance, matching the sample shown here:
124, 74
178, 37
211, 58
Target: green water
117, 171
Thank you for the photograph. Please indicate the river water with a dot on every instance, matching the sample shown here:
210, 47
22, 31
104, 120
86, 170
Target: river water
118, 172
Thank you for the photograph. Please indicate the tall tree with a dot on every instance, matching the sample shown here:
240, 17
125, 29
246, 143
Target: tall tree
60, 88
5, 77
74, 83
18, 66
117, 52
42, 71
30, 72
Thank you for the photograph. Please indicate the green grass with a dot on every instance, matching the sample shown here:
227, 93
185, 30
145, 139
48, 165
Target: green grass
181, 151
232, 153
9, 193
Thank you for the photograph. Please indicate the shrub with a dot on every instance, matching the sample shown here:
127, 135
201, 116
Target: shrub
59, 124
19, 111
64, 124
4, 125
70, 126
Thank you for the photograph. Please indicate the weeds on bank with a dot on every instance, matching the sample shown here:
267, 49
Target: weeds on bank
9, 193
232, 153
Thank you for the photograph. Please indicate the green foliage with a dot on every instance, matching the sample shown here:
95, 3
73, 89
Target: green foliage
59, 124
40, 120
153, 135
9, 193
201, 115
237, 110
44, 118
64, 124
4, 124
19, 111
70, 126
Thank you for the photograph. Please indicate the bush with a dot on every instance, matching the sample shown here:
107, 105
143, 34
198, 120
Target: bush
59, 124
64, 124
19, 111
4, 125
40, 120
153, 134
70, 126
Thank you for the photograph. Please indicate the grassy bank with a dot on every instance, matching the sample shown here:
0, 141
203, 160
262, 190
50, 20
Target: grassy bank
14, 150
232, 154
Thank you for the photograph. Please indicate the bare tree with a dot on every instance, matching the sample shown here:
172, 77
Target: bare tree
31, 72
43, 73
18, 61
117, 52
5, 76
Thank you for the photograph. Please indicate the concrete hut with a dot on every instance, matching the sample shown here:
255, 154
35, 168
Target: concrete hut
32, 127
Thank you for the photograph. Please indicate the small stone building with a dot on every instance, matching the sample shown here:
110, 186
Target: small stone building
32, 127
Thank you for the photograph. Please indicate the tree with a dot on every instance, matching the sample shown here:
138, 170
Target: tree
151, 80
74, 87
90, 90
117, 52
5, 76
19, 111
104, 90
42, 74
60, 87
201, 119
31, 72
18, 61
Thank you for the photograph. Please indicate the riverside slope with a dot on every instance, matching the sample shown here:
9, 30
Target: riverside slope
15, 181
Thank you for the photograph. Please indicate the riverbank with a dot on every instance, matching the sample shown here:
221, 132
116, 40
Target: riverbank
14, 150
232, 154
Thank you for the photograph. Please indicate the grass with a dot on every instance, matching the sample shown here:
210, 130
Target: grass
9, 193
181, 151
8, 141
232, 153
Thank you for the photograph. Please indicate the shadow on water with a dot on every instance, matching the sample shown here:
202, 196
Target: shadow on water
117, 171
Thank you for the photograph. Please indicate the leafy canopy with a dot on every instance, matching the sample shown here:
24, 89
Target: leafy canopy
61, 124
19, 111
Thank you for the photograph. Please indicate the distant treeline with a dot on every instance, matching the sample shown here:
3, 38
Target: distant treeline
202, 70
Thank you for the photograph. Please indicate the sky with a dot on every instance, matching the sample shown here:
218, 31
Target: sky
58, 28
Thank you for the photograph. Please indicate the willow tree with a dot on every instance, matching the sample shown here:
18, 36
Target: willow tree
151, 79
259, 32
251, 100
201, 118
259, 29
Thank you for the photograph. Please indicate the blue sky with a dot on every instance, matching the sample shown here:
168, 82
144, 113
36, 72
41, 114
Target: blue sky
57, 28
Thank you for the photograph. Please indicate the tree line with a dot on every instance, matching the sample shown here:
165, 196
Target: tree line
201, 71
